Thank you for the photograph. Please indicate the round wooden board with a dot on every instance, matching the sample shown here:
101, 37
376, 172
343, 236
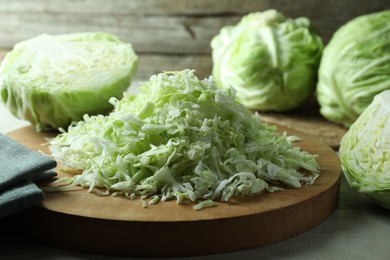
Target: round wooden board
82, 221
307, 119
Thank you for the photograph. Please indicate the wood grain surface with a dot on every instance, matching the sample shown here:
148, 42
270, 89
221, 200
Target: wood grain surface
174, 32
172, 26
83, 221
307, 120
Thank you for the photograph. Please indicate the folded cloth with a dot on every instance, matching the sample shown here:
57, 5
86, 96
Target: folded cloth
19, 168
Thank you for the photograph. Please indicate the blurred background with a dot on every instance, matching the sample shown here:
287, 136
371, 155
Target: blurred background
174, 35
166, 34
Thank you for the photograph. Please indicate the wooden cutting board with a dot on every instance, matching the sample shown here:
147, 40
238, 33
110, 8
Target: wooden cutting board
308, 120
82, 221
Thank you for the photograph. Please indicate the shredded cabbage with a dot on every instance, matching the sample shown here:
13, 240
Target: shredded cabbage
180, 138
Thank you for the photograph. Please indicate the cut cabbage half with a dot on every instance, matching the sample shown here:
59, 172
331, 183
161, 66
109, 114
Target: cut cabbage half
365, 151
52, 80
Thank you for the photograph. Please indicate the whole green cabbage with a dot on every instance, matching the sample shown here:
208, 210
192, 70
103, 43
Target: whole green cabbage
54, 80
365, 151
355, 66
270, 60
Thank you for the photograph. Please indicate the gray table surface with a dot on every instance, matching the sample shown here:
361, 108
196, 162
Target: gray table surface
357, 229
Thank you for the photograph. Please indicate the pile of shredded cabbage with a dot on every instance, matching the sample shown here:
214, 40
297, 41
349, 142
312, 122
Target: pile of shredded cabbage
180, 138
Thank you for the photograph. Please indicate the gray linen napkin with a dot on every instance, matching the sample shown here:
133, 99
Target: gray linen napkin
19, 168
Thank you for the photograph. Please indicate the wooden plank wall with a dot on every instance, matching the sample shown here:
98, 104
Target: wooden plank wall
166, 34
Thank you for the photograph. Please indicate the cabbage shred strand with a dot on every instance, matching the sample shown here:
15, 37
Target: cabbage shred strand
181, 138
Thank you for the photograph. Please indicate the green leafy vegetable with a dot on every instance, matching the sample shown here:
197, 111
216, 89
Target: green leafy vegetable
270, 60
355, 67
365, 151
180, 138
54, 80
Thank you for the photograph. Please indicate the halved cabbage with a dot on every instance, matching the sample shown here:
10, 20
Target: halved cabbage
54, 80
365, 151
